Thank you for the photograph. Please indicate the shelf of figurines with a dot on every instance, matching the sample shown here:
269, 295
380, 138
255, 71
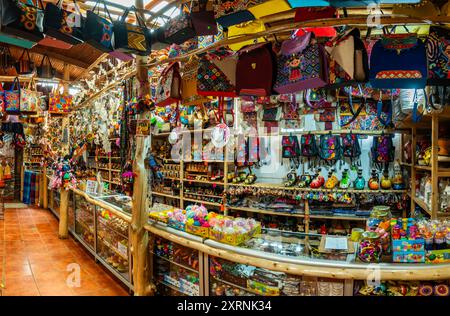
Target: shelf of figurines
271, 186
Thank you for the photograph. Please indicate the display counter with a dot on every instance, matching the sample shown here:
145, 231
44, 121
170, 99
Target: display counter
290, 260
102, 228
186, 264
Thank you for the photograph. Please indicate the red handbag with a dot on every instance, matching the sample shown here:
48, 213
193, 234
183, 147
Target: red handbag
256, 70
315, 13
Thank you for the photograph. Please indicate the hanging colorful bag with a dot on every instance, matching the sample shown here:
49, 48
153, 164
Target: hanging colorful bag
382, 150
59, 103
130, 38
180, 29
203, 18
438, 46
2, 100
217, 75
398, 61
7, 62
98, 31
12, 98
169, 84
232, 12
348, 60
189, 95
309, 146
255, 70
45, 69
64, 25
290, 147
350, 146
250, 27
30, 98
24, 66
29, 24
301, 65
330, 147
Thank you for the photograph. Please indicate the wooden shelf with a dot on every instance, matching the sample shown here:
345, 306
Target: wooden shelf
345, 218
202, 202
422, 204
254, 210
165, 195
204, 181
343, 131
405, 164
295, 188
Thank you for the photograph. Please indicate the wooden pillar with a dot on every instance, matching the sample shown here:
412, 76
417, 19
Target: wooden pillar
139, 217
44, 187
434, 166
63, 214
64, 194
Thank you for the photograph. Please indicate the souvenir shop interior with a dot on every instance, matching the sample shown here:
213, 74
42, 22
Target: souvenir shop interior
234, 147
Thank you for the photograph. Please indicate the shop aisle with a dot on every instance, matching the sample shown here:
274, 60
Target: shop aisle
34, 261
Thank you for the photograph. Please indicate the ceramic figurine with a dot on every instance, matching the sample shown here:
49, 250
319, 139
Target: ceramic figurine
332, 180
374, 181
386, 183
345, 182
360, 182
397, 181
318, 180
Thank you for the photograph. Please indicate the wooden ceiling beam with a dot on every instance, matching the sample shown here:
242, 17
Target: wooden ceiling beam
63, 58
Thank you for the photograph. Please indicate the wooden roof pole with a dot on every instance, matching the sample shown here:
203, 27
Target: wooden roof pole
139, 236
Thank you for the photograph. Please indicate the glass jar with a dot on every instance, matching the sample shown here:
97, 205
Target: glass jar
379, 214
370, 249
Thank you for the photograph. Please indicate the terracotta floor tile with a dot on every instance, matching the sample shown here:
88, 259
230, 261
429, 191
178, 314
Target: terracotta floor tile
18, 282
18, 270
38, 262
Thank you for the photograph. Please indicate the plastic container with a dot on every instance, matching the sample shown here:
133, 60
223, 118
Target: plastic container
378, 214
370, 249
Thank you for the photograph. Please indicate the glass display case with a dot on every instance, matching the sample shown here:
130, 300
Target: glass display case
227, 278
104, 234
112, 242
85, 221
293, 245
123, 202
178, 270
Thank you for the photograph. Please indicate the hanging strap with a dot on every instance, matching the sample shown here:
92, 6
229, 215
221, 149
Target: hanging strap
355, 114
416, 116
16, 84
388, 121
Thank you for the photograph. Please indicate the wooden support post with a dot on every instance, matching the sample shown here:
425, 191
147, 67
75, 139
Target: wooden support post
63, 214
45, 188
139, 217
413, 169
434, 166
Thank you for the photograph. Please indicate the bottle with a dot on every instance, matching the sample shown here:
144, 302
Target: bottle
360, 182
386, 183
345, 182
374, 181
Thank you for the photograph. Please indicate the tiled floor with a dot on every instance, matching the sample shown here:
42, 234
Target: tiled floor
34, 261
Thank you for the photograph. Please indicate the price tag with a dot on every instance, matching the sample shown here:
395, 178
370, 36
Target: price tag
91, 187
122, 249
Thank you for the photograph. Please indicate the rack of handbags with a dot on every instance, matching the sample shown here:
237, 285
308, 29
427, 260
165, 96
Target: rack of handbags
30, 23
27, 99
402, 67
